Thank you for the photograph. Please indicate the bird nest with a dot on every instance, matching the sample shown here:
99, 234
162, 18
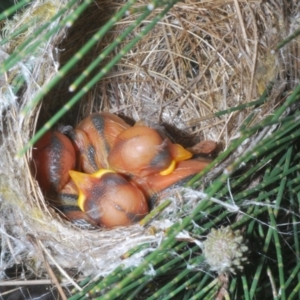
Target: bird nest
201, 58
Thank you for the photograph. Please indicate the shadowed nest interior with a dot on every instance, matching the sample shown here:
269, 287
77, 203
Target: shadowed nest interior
201, 58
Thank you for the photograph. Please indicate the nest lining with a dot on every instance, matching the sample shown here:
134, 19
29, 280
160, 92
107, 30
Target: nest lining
201, 58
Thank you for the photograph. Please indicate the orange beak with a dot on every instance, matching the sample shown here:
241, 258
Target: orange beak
178, 153
85, 183
109, 199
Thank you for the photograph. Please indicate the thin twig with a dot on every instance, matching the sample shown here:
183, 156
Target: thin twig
50, 272
63, 272
254, 59
239, 14
25, 282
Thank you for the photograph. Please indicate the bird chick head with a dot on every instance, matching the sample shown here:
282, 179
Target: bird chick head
141, 151
109, 199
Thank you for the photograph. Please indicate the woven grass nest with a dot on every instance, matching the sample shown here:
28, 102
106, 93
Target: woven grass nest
201, 58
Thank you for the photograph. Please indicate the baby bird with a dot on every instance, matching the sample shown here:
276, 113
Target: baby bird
141, 151
93, 138
154, 184
79, 175
53, 156
109, 199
